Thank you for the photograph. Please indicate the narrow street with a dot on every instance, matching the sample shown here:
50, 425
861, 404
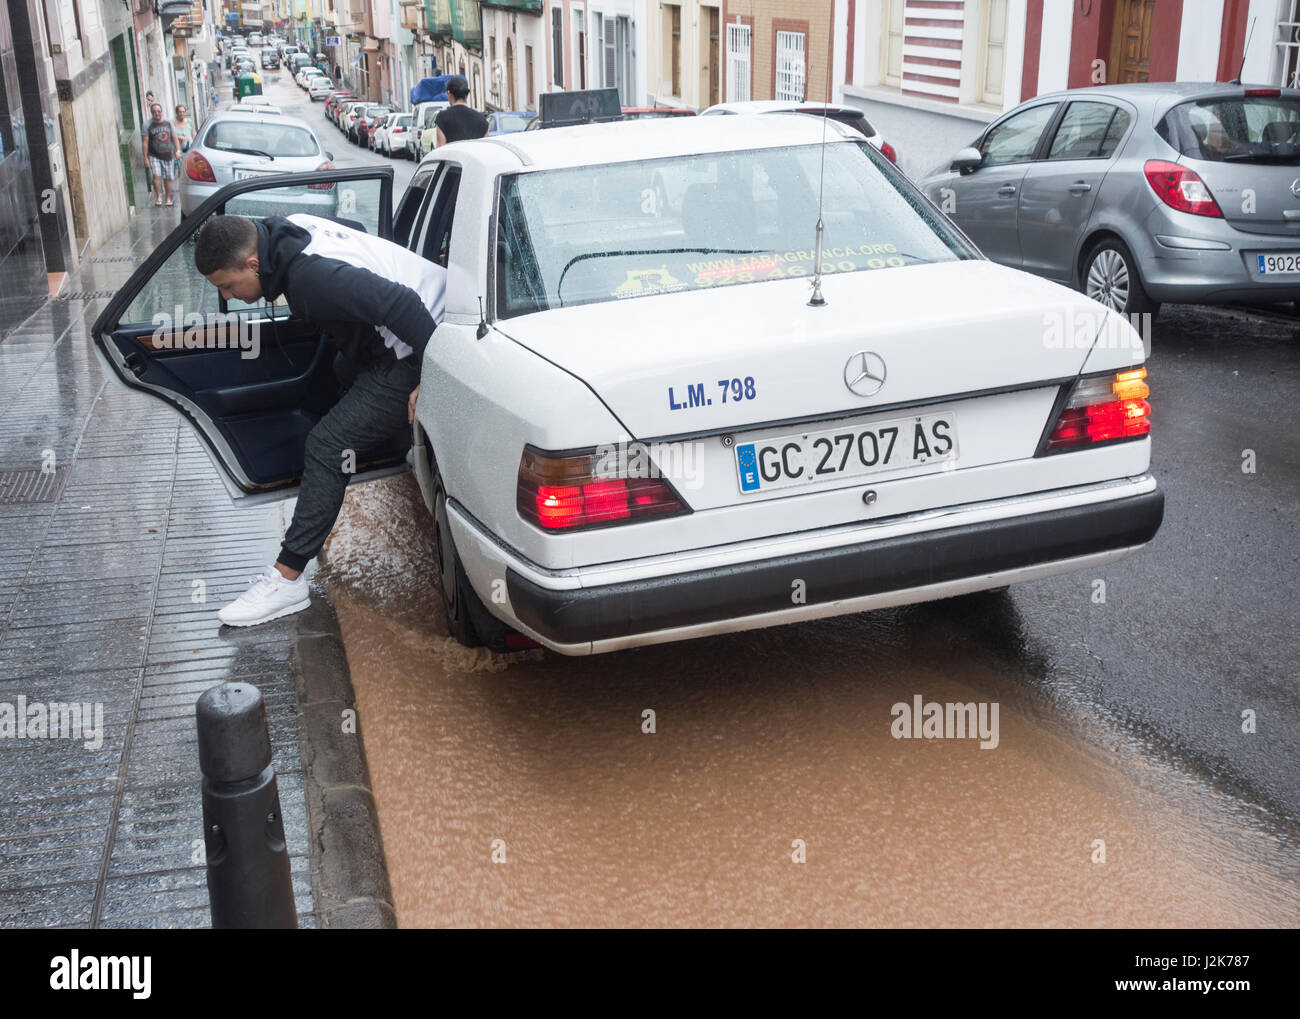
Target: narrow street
1121, 719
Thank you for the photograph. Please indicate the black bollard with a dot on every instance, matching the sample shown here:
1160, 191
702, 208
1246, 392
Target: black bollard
248, 862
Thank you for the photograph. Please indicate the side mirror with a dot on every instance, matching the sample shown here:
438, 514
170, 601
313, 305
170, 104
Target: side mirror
967, 160
329, 156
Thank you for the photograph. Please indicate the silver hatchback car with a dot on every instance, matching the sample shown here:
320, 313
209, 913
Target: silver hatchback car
236, 144
1140, 194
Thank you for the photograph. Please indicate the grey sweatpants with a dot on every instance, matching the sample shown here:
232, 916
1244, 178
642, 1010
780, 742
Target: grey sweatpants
370, 412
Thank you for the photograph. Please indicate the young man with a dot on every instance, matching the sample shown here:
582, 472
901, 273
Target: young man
161, 146
380, 303
459, 120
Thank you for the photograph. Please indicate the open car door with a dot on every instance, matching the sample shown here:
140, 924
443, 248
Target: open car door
250, 378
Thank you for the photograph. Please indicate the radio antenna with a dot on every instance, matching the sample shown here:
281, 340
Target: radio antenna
1244, 50
817, 300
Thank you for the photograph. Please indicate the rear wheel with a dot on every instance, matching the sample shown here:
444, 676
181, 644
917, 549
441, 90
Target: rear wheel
468, 619
1110, 277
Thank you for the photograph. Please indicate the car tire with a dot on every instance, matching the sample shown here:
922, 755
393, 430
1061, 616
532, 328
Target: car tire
1109, 275
468, 620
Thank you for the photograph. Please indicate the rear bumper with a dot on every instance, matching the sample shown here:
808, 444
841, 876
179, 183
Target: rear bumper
1210, 262
943, 561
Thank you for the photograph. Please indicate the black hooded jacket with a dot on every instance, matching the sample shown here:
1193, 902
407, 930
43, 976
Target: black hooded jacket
348, 302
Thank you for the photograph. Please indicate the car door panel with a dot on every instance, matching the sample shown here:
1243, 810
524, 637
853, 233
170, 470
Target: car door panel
986, 202
252, 403
1059, 191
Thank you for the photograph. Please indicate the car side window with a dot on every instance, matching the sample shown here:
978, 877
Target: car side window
435, 244
1086, 131
406, 217
1015, 139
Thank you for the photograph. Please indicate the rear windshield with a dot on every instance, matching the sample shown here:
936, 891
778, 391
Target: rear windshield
403, 121
1251, 129
273, 139
603, 233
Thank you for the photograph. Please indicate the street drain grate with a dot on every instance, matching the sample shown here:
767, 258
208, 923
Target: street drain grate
21, 487
85, 295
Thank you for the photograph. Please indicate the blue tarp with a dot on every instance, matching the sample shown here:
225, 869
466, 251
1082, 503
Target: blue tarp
430, 90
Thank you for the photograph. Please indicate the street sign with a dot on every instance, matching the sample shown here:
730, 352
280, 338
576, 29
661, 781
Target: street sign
331, 40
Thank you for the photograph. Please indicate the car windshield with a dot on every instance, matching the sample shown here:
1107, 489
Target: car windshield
273, 139
1251, 129
608, 232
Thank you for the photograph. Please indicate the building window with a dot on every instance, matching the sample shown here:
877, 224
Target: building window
993, 59
557, 46
672, 57
738, 63
528, 65
1288, 41
580, 49
494, 73
891, 43
790, 66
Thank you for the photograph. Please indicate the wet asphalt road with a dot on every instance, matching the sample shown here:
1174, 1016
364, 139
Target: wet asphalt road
1121, 720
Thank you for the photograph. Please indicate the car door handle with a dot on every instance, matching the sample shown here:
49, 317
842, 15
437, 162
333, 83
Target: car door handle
1007, 189
1078, 187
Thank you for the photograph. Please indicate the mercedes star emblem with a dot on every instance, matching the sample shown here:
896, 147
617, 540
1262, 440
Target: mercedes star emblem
864, 373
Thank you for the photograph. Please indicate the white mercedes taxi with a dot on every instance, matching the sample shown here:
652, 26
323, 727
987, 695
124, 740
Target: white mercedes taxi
696, 375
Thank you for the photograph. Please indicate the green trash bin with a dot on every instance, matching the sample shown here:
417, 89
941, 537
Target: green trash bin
248, 85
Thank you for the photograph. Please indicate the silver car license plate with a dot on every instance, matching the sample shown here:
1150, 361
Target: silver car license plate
244, 172
845, 452
1281, 263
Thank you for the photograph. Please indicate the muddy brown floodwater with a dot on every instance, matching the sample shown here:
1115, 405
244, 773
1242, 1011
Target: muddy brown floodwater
521, 790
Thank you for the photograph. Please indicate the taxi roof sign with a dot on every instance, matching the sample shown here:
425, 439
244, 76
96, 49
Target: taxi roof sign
588, 106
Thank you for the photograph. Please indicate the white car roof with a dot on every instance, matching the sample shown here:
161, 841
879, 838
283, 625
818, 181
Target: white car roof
631, 140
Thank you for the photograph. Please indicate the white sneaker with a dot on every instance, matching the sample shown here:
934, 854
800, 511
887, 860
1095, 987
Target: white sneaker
269, 596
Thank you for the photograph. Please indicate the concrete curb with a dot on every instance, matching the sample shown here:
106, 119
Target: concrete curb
349, 876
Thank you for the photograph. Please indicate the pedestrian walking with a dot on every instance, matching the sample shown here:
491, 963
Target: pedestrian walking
459, 120
161, 146
380, 302
184, 134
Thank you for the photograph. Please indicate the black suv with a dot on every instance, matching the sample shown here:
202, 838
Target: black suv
270, 59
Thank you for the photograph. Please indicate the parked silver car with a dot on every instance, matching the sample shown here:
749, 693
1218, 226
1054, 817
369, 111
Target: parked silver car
239, 143
1140, 194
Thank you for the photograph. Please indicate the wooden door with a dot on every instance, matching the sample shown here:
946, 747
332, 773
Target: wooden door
1130, 48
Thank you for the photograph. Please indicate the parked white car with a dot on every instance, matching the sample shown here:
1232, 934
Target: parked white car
319, 87
634, 425
390, 138
847, 115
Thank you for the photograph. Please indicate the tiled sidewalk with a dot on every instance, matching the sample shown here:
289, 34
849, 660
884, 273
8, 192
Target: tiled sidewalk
98, 604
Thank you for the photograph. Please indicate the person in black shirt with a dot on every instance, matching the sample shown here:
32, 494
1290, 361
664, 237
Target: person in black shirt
459, 120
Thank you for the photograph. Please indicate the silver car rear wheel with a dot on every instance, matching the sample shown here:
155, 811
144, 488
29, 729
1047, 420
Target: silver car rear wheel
1110, 277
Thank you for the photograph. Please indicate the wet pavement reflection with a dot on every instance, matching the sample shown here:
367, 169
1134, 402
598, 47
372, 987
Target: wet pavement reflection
768, 745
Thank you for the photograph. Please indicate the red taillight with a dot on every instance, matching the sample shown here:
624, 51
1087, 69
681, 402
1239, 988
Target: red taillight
198, 168
589, 490
888, 152
329, 184
1269, 93
1103, 408
1180, 188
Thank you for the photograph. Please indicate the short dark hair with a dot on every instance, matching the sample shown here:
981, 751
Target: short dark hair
458, 86
224, 243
